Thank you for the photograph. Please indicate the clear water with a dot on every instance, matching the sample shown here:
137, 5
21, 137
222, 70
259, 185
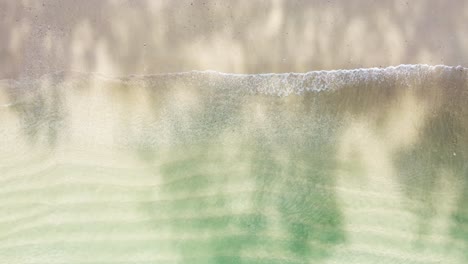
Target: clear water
355, 166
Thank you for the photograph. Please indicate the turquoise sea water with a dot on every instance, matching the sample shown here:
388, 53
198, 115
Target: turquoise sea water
356, 166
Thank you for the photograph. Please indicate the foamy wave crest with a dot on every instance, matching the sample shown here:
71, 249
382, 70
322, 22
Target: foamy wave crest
280, 84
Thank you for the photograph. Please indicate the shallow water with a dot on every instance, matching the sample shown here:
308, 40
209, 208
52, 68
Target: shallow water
355, 166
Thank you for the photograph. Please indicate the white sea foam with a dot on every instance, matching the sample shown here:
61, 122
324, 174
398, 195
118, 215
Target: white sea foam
280, 84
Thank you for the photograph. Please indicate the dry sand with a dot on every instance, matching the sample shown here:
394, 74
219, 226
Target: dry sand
123, 37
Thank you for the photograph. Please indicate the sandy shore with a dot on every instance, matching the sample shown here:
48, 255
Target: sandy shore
136, 37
